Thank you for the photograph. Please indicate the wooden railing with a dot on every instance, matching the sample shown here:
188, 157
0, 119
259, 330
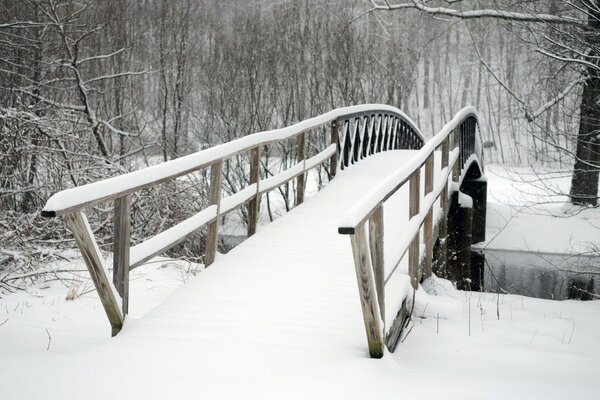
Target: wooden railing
458, 142
363, 130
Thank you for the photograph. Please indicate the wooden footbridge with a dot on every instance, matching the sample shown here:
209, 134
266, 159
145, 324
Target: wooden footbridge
396, 207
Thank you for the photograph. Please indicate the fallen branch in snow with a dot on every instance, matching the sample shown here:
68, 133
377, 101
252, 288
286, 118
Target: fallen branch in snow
49, 339
3, 322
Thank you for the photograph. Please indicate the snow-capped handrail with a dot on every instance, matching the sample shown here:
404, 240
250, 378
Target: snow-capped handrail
84, 196
460, 144
356, 132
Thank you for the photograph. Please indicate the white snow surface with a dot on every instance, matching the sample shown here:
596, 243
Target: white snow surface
279, 317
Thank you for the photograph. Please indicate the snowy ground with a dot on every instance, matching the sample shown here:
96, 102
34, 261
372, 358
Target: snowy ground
222, 335
528, 210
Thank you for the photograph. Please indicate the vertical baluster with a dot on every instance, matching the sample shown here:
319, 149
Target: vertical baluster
414, 206
334, 158
253, 203
301, 142
212, 239
121, 234
428, 224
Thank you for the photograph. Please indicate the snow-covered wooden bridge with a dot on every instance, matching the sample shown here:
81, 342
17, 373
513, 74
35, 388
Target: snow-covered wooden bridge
311, 283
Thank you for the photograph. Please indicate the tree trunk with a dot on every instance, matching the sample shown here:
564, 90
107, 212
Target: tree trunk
584, 184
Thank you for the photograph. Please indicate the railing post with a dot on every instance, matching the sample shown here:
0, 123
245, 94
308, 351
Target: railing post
122, 227
79, 226
414, 206
377, 258
334, 158
428, 223
366, 287
212, 239
456, 144
300, 179
443, 226
253, 203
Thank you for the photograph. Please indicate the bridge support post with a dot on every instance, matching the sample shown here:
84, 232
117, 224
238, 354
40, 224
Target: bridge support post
122, 226
477, 190
460, 217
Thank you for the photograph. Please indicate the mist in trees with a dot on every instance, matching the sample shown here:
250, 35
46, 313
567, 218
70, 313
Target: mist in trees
96, 88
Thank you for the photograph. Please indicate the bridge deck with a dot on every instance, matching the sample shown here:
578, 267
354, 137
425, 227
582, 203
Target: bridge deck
284, 301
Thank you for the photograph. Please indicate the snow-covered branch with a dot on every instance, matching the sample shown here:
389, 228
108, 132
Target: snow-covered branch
477, 14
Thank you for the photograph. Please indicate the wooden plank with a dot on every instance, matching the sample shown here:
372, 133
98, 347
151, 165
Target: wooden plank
214, 197
428, 224
366, 289
414, 203
391, 339
121, 233
253, 203
301, 143
376, 235
334, 158
88, 247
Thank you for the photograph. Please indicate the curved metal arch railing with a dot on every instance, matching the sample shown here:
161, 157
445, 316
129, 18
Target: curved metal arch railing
362, 134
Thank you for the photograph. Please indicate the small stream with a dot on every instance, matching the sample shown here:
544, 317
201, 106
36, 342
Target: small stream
542, 275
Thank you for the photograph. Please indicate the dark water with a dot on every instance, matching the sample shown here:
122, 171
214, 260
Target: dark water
542, 275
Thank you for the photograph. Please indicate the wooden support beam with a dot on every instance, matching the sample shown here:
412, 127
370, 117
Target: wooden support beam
428, 223
254, 177
366, 288
376, 247
88, 247
334, 158
122, 227
301, 142
414, 207
214, 197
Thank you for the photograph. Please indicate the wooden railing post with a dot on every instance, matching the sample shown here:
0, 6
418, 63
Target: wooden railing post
334, 158
300, 178
366, 287
253, 203
212, 239
456, 144
376, 246
122, 227
88, 247
413, 209
428, 223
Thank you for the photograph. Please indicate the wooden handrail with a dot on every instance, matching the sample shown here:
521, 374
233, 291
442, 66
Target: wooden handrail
459, 141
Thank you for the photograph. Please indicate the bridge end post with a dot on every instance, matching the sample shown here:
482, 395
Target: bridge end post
367, 292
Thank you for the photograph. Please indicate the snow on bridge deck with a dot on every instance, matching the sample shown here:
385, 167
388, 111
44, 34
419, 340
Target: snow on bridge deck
279, 317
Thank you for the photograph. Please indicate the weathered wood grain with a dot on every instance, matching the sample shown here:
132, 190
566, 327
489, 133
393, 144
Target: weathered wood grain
376, 241
121, 234
88, 247
366, 289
